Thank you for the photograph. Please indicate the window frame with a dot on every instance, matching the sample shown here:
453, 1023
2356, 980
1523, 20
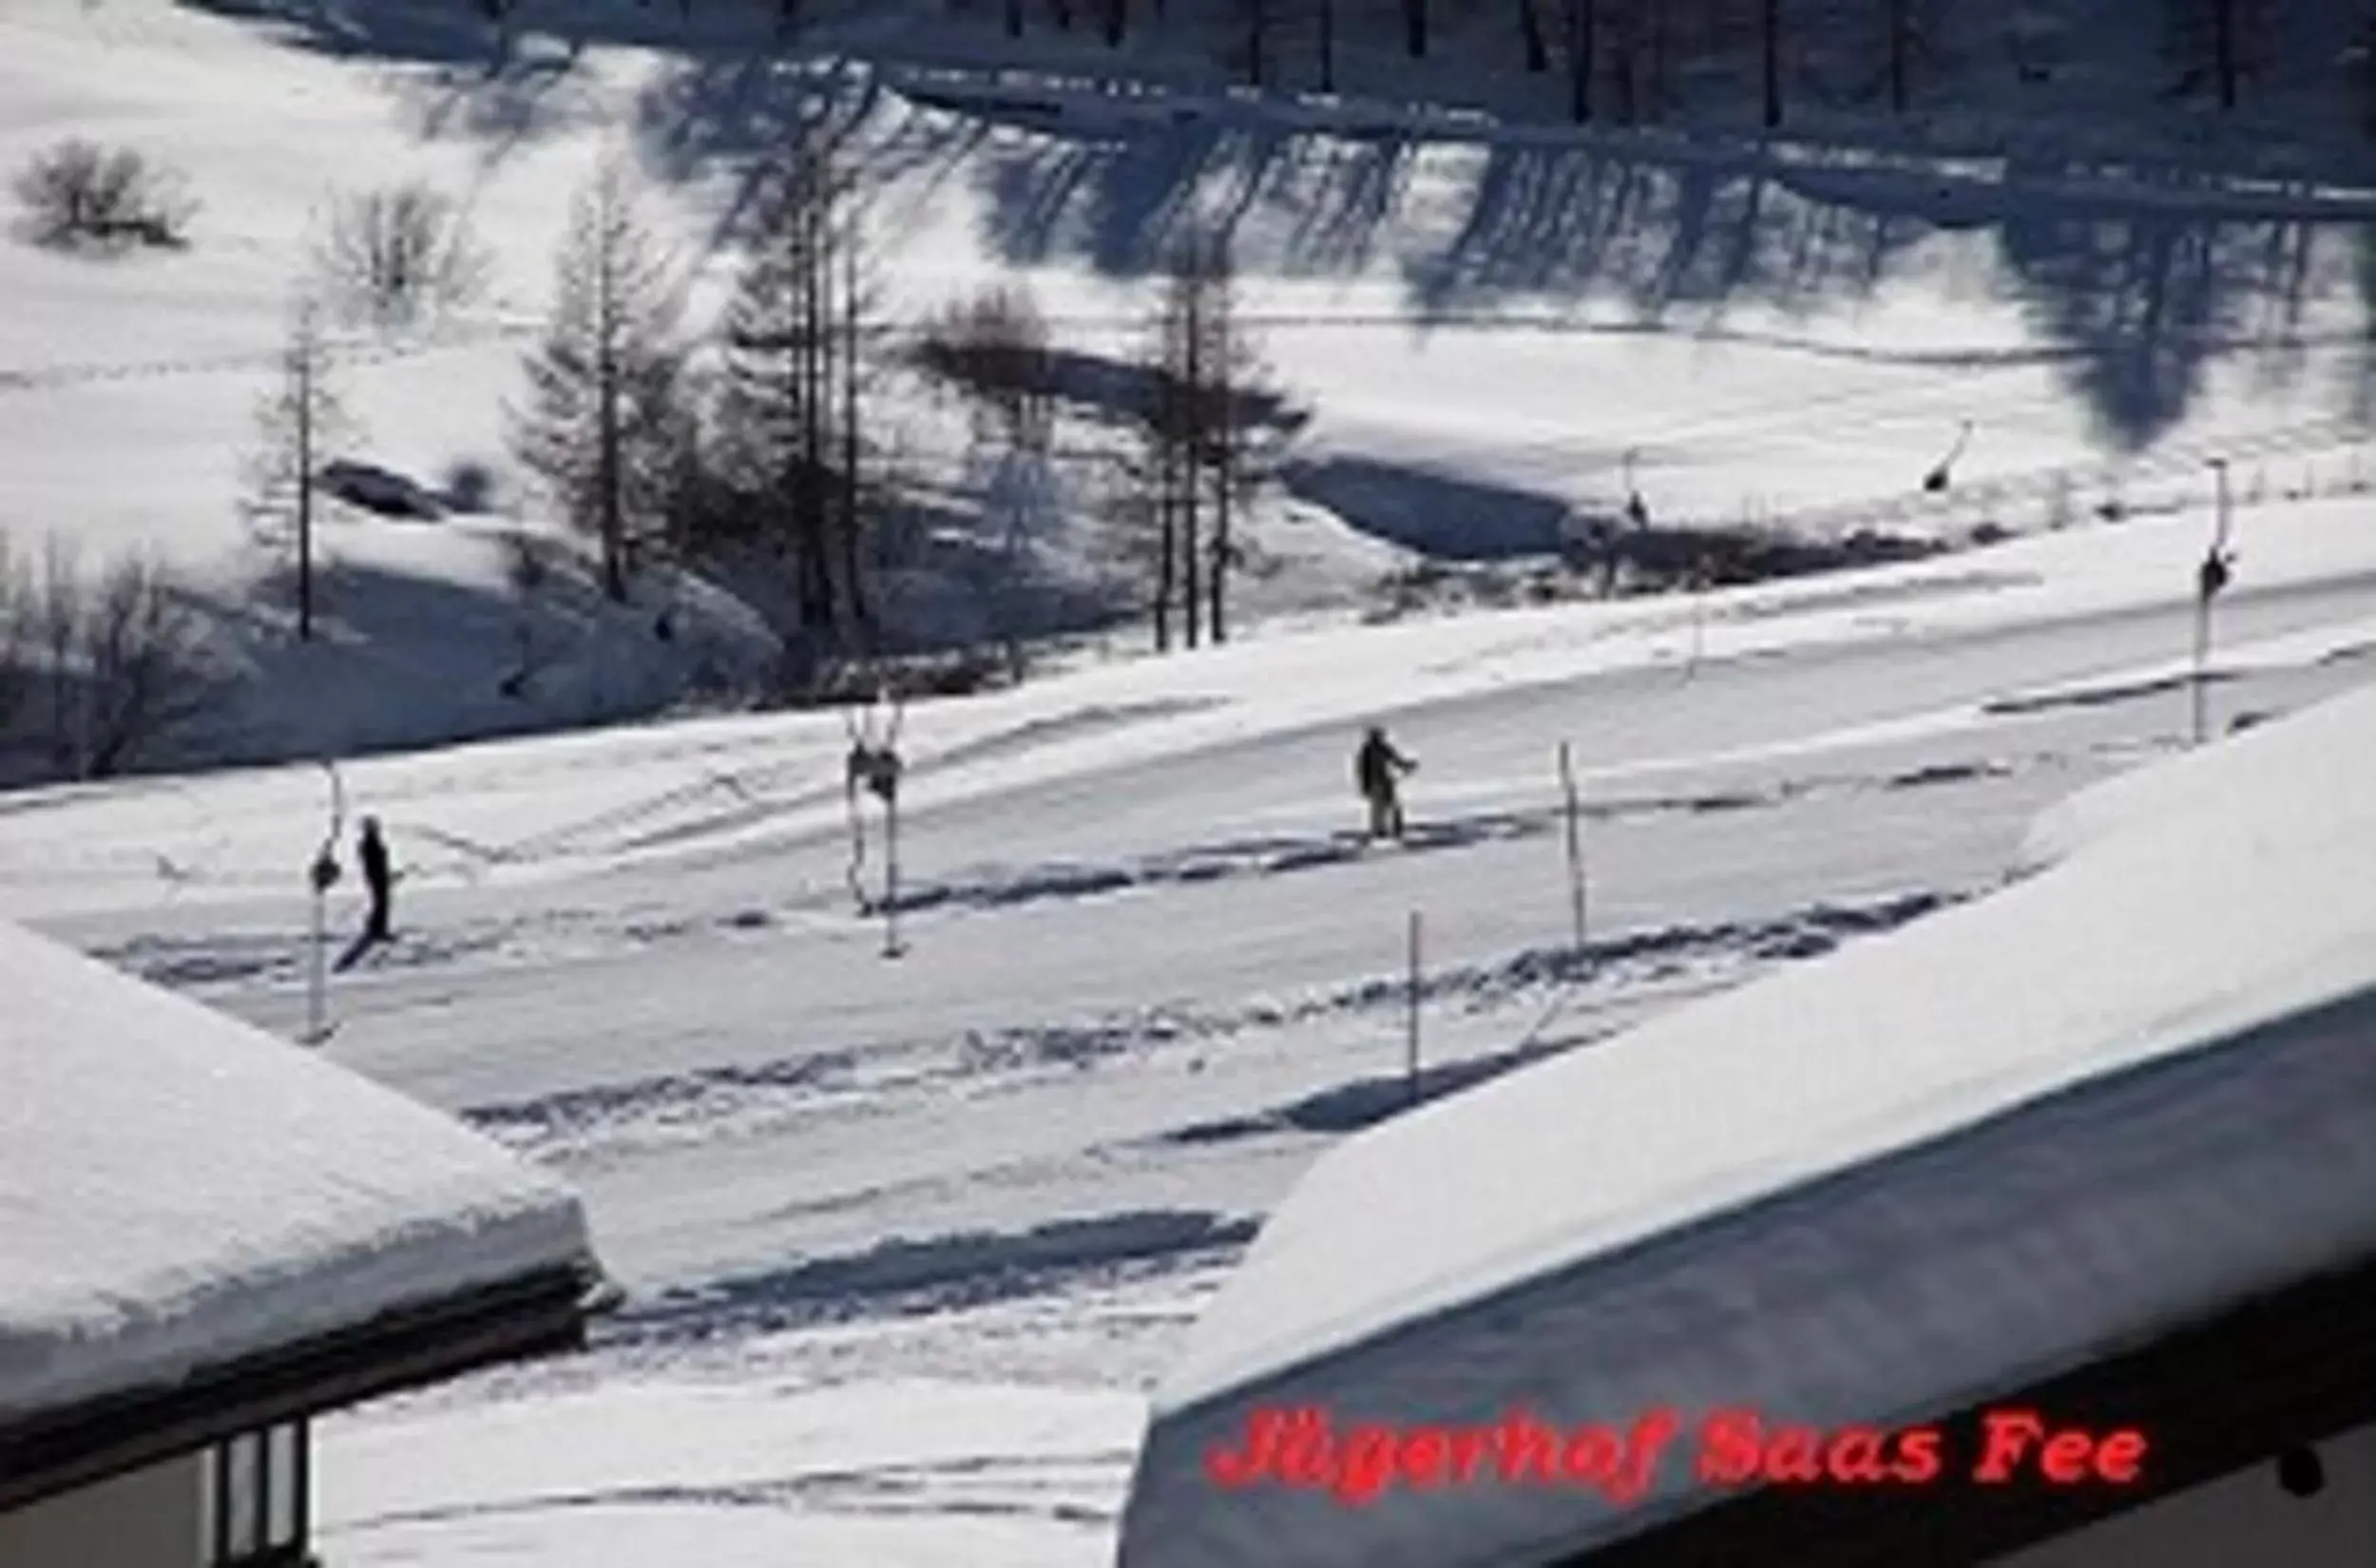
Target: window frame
277, 1494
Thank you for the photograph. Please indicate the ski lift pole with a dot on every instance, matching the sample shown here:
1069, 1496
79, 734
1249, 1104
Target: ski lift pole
320, 878
316, 963
1574, 848
2202, 659
2211, 577
1411, 1022
890, 872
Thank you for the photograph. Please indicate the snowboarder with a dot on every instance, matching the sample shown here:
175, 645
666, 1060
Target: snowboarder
371, 852
1377, 766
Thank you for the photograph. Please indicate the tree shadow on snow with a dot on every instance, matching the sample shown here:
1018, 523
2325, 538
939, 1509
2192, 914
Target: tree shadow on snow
2144, 274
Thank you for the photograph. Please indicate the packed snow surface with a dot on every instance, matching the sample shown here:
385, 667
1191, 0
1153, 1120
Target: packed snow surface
177, 1190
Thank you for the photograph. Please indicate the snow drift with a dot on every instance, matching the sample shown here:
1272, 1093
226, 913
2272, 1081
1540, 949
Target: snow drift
2123, 1093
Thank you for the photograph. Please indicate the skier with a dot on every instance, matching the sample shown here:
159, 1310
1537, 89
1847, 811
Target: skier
370, 852
1375, 767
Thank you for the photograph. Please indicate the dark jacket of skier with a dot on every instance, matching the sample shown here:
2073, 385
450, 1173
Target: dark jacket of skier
1376, 766
371, 851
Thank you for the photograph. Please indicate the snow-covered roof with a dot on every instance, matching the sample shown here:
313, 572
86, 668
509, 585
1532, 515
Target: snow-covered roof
177, 1190
2116, 1095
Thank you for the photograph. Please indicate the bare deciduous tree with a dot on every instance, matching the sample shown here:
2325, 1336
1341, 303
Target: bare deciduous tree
124, 665
1195, 455
599, 427
994, 347
301, 417
399, 254
17, 636
77, 192
527, 570
144, 673
795, 379
1531, 38
1769, 35
58, 617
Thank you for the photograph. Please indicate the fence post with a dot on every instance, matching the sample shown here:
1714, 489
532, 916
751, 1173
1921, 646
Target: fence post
1412, 1024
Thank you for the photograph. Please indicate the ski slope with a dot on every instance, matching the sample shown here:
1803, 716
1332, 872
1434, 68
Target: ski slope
1148, 977
906, 1240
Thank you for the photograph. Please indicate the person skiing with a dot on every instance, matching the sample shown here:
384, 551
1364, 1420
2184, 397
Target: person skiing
370, 852
1376, 766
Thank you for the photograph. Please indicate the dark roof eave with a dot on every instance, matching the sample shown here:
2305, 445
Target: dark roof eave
538, 1315
2295, 1367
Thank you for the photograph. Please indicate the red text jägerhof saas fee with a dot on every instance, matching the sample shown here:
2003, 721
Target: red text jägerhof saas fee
1304, 1448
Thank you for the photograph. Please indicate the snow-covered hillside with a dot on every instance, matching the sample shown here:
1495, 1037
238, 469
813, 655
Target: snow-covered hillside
1495, 334
906, 1242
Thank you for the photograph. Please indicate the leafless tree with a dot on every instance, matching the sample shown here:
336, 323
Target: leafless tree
1582, 28
18, 633
1530, 36
58, 617
300, 418
1201, 372
994, 347
527, 571
599, 421
77, 192
123, 660
400, 254
796, 384
1770, 34
144, 672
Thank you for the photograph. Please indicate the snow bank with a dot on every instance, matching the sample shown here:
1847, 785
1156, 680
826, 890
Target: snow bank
177, 1190
1950, 1161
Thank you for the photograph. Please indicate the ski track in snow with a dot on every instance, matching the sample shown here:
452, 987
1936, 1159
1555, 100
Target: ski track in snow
275, 955
693, 1105
938, 1272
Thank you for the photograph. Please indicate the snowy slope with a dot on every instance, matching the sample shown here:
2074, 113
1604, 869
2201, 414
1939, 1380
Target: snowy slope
529, 810
1480, 330
1150, 974
1847, 1192
178, 1190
